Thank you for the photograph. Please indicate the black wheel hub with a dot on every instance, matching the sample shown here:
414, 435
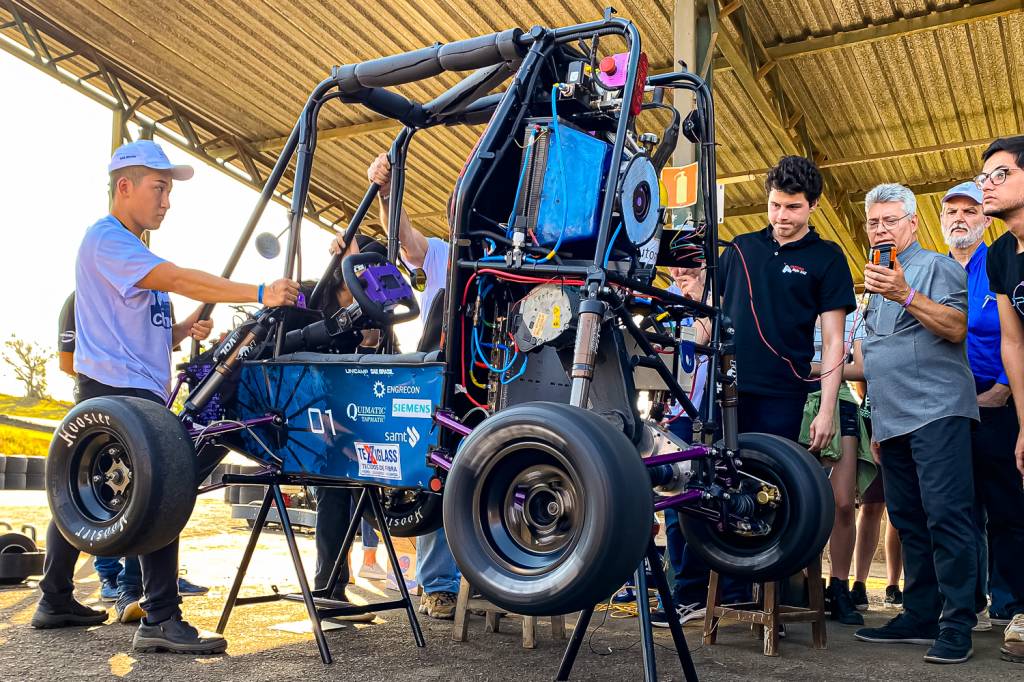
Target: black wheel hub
532, 508
103, 484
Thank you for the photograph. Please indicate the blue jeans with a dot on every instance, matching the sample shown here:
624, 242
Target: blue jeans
435, 566
128, 577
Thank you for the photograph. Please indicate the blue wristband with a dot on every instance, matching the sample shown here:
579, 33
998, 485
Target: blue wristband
259, 293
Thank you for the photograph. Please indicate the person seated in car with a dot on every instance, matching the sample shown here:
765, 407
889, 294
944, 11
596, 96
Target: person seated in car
335, 505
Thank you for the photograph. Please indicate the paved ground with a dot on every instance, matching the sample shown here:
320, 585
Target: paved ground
384, 649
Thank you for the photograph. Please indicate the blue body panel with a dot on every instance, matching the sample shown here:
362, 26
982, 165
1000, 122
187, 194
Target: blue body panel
345, 420
572, 200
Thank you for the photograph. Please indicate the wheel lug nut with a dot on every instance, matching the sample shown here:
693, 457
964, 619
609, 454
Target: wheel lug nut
98, 478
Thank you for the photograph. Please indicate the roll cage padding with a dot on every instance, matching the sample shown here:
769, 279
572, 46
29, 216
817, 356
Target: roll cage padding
463, 55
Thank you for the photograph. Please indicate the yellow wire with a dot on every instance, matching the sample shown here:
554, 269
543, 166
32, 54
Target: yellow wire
472, 377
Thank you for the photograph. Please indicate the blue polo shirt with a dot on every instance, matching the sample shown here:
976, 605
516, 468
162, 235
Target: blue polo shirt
983, 325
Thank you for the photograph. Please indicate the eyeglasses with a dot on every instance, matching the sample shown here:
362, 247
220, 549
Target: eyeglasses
887, 223
998, 177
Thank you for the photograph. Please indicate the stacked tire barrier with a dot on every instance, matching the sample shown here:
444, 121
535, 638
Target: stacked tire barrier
15, 476
21, 472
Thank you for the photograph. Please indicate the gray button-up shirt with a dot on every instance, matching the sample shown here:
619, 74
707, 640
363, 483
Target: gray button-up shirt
915, 377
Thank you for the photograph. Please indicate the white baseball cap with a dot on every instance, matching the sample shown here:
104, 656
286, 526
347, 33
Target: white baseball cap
149, 154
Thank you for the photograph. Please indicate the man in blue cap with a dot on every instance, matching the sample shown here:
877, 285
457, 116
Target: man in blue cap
998, 487
123, 347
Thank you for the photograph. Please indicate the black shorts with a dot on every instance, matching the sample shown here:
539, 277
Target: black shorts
848, 425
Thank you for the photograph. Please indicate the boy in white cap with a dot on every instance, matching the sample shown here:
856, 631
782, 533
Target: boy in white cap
124, 341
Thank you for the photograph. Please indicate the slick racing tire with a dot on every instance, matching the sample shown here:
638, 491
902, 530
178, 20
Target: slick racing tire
408, 513
121, 476
547, 508
800, 524
13, 547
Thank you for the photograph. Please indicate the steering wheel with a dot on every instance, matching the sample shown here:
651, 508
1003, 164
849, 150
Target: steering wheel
379, 288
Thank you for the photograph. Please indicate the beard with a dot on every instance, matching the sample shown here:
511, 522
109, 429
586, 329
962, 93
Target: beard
963, 241
1005, 211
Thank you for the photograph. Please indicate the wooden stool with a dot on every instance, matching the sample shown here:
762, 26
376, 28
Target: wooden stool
766, 614
493, 616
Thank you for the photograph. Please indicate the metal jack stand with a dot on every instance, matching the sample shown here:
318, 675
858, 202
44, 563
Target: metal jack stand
653, 561
318, 603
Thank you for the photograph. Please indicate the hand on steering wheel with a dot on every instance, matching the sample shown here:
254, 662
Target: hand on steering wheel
379, 289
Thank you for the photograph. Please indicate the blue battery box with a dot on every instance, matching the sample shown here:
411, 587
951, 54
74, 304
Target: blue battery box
562, 182
353, 417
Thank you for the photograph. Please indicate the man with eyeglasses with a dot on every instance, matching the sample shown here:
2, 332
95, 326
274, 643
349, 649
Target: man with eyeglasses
1002, 188
998, 487
922, 403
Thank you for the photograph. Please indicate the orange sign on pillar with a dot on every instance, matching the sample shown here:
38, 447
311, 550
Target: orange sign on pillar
680, 185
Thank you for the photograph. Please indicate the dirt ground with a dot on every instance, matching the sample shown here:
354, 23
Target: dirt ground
384, 650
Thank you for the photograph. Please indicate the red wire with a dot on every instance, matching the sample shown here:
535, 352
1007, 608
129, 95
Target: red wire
757, 323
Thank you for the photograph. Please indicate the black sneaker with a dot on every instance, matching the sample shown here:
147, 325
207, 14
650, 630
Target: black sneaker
899, 630
843, 609
893, 597
176, 636
951, 646
859, 594
73, 614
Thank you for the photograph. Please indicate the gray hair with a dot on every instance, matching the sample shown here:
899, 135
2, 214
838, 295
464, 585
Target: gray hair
891, 192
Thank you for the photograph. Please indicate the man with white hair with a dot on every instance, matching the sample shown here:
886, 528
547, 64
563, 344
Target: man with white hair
922, 403
998, 487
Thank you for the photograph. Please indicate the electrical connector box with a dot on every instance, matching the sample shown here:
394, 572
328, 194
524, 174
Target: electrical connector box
561, 189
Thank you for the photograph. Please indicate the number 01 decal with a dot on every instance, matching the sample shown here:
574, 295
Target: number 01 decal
316, 420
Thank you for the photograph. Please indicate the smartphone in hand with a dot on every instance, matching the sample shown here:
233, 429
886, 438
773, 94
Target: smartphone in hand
882, 255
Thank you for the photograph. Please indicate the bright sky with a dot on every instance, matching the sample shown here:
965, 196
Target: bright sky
54, 186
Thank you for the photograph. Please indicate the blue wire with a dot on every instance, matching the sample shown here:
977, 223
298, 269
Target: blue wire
483, 358
611, 243
518, 374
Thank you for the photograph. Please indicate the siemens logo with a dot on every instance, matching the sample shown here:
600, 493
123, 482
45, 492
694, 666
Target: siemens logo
412, 407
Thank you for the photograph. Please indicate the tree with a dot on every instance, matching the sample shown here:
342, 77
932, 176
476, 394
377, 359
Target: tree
29, 364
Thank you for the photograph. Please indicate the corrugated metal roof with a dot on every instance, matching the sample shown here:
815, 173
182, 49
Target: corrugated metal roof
250, 66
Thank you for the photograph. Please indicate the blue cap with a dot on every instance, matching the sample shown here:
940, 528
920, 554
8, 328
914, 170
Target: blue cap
149, 154
964, 189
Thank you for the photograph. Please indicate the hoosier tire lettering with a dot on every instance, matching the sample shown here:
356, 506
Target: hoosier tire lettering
69, 429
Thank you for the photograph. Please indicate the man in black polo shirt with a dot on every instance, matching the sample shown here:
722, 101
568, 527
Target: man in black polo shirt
775, 284
1002, 191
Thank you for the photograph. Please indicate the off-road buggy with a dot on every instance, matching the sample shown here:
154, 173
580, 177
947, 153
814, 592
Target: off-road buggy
520, 430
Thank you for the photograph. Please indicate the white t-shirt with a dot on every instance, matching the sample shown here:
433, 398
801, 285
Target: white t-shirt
435, 267
124, 332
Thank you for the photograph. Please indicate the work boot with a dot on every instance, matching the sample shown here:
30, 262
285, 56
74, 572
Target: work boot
72, 614
843, 609
1013, 640
951, 646
176, 636
440, 605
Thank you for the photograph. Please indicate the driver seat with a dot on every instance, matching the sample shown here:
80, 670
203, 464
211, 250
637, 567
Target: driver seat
431, 338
